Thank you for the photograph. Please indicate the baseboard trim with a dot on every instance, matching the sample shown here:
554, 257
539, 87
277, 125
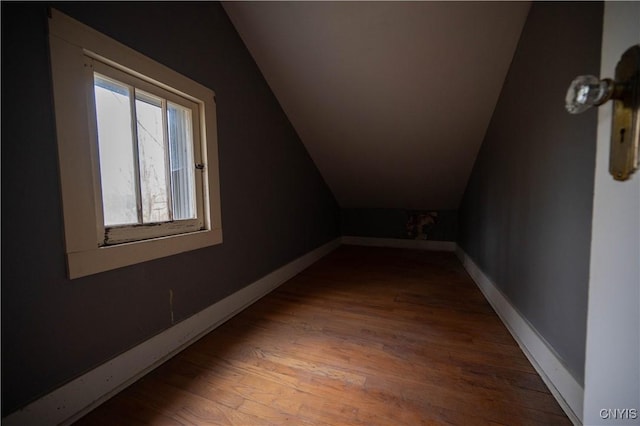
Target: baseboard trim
566, 390
400, 243
73, 400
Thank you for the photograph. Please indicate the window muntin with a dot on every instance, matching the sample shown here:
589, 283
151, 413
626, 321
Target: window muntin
149, 183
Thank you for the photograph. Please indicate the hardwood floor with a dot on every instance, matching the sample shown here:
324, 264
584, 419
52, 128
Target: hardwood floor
366, 336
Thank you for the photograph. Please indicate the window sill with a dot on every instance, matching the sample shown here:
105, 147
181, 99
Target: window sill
100, 259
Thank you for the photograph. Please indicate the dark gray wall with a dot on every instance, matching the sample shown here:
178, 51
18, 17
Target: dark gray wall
525, 218
392, 223
275, 204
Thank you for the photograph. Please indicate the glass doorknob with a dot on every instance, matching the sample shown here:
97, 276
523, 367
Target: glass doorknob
586, 91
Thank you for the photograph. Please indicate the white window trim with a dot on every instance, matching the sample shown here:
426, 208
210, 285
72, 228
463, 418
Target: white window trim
70, 41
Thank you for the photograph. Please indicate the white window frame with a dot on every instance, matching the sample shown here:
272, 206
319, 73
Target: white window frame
71, 44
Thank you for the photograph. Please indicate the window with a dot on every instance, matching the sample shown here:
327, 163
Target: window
148, 154
137, 151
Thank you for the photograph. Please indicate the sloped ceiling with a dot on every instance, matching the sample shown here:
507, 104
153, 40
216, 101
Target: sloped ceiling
391, 99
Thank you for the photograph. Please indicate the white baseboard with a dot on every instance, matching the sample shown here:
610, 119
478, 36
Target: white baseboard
400, 243
76, 398
567, 391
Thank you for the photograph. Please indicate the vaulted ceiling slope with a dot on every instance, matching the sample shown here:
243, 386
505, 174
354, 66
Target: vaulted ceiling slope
391, 99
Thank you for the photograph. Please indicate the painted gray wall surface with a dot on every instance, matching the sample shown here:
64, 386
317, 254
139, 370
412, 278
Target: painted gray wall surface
391, 223
275, 204
525, 217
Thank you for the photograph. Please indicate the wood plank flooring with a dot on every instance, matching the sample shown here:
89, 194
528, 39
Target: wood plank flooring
366, 336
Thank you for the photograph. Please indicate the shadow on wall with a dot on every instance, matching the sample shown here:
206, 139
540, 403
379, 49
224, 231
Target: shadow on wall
435, 225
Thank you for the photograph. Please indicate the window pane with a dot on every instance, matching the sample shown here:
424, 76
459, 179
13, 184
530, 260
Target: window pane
182, 167
153, 163
115, 142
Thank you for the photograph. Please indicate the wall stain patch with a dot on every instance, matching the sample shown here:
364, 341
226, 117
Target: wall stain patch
171, 305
